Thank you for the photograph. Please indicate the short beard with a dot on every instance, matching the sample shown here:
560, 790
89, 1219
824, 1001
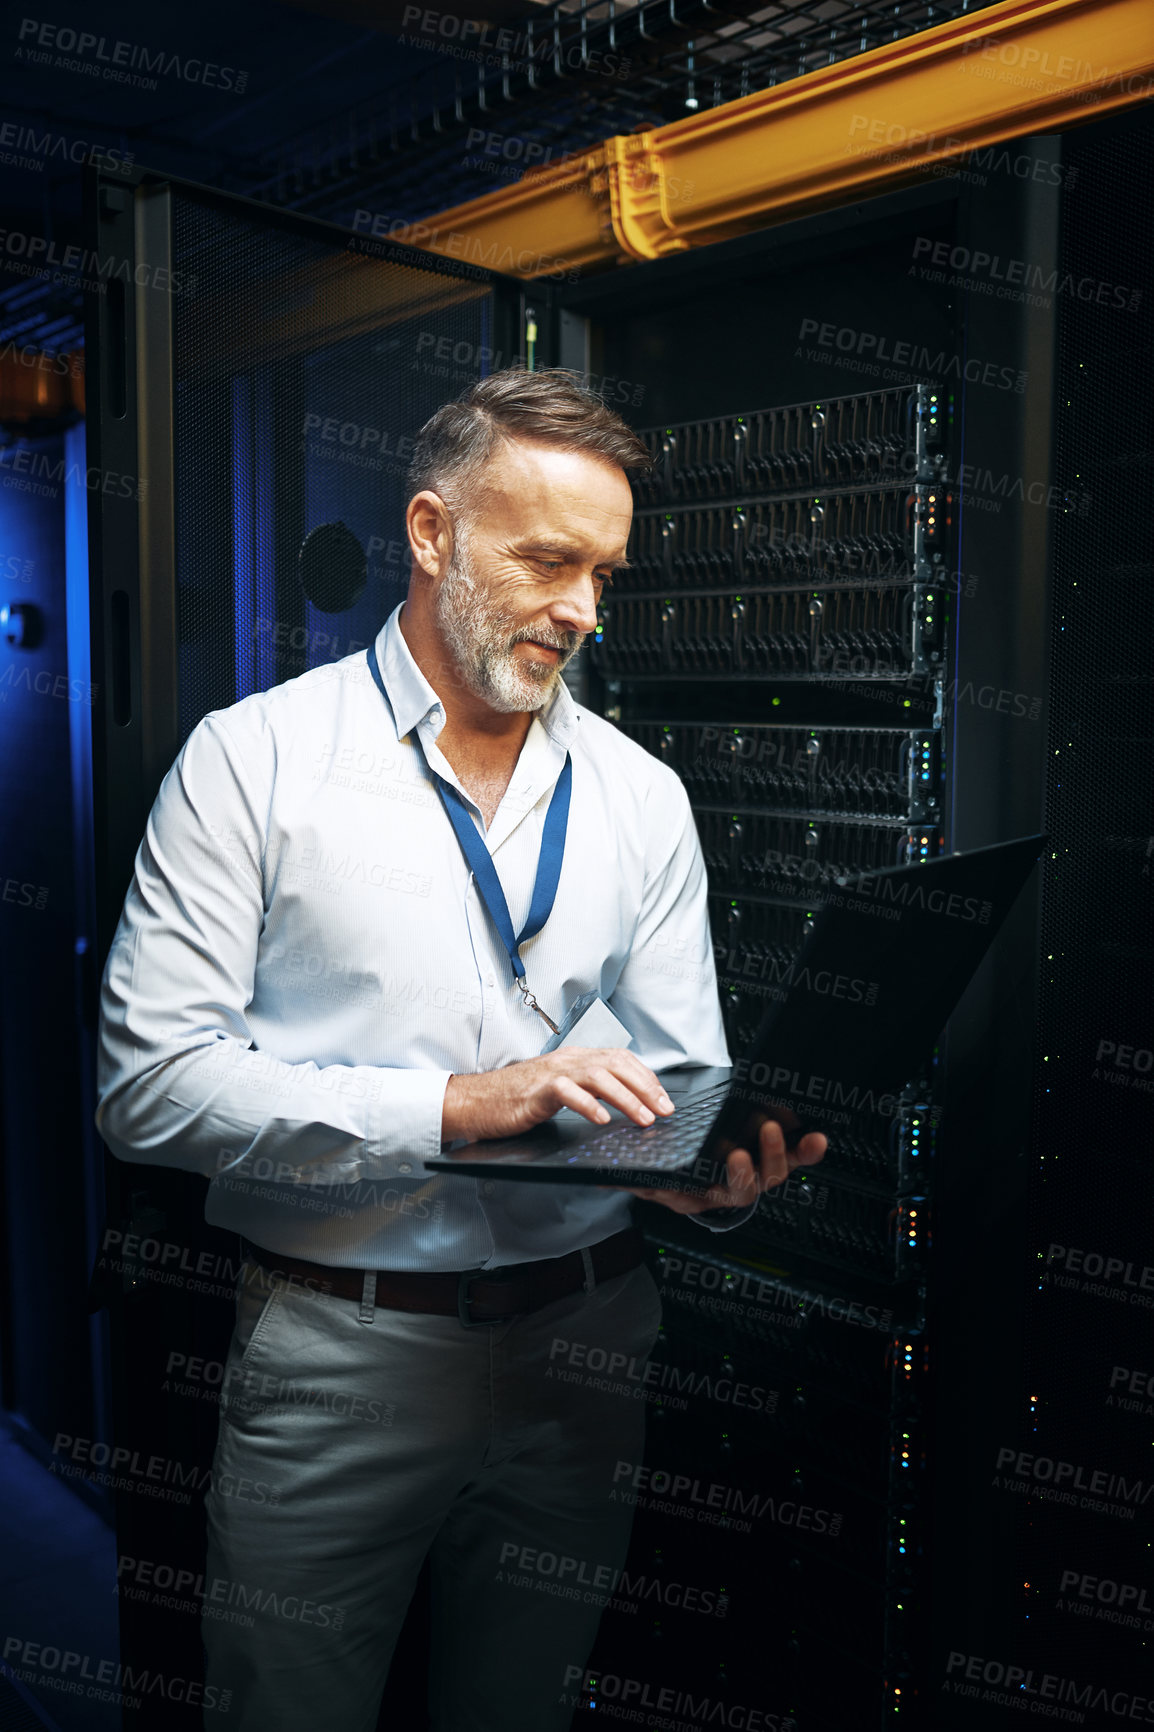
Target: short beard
480, 638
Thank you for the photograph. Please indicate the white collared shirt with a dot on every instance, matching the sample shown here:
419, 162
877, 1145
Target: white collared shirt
303, 960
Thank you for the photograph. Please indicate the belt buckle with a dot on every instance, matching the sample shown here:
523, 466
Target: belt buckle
463, 1301
463, 1317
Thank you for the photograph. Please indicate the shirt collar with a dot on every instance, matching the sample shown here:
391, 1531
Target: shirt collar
413, 698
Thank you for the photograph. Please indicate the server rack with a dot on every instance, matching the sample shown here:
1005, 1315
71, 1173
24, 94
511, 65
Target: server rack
816, 602
255, 376
833, 1388
811, 544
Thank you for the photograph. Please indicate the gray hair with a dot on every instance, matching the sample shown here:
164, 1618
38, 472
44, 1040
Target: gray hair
550, 407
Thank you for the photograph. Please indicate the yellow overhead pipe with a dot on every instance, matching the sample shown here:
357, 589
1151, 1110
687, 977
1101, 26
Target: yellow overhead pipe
864, 126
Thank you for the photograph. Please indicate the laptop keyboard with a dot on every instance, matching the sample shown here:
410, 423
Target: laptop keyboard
665, 1144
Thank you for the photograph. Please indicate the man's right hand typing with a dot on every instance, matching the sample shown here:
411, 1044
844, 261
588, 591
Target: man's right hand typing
505, 1102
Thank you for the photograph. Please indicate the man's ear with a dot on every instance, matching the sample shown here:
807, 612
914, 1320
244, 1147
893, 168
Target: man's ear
430, 532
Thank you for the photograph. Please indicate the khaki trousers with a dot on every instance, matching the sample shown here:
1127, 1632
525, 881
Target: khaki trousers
356, 1440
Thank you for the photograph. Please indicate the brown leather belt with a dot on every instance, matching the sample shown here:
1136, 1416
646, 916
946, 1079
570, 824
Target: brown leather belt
473, 1296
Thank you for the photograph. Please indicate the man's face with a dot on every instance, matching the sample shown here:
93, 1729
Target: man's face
527, 570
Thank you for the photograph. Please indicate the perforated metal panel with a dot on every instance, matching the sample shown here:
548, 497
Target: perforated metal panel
1099, 886
302, 369
1090, 1272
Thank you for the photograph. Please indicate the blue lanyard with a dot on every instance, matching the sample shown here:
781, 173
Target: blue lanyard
481, 861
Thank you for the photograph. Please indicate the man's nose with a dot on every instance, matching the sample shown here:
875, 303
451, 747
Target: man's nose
576, 610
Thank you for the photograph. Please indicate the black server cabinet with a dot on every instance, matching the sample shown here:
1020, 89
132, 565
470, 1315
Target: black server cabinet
257, 381
882, 576
849, 1521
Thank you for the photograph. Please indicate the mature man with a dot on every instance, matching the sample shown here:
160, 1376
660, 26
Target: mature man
309, 993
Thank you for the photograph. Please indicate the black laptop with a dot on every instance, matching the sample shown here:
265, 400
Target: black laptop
850, 1022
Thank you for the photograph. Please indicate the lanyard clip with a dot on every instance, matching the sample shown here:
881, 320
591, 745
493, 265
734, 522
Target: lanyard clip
533, 1005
